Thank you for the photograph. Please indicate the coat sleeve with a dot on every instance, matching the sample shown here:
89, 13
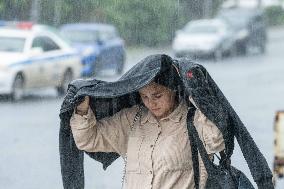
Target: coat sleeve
106, 135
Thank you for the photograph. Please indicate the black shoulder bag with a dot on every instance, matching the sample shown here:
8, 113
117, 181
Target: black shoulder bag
222, 176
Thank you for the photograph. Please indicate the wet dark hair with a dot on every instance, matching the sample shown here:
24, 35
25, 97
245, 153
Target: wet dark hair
168, 76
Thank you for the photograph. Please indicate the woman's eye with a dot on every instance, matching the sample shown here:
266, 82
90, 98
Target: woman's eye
143, 97
158, 96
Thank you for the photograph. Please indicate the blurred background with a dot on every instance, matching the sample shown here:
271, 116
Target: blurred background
44, 45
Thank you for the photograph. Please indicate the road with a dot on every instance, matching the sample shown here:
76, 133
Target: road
29, 153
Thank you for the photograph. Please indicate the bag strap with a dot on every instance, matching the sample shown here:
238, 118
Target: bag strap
194, 152
194, 138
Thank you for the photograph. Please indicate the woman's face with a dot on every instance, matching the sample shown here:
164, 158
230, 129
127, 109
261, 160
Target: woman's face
159, 99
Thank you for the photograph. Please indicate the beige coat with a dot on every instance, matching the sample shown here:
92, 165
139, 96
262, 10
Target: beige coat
158, 152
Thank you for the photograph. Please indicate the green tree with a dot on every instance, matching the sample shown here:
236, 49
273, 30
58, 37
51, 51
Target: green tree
143, 22
15, 9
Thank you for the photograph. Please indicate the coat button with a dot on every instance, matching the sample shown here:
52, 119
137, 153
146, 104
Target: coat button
151, 146
151, 172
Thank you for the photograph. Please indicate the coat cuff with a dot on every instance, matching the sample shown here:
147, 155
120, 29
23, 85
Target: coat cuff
83, 121
265, 183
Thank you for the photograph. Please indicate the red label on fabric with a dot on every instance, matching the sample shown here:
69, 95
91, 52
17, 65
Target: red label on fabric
189, 74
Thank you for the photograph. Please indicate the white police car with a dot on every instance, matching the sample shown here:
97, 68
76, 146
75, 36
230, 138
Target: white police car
34, 56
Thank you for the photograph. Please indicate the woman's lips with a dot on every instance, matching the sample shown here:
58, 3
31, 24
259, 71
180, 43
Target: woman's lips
155, 109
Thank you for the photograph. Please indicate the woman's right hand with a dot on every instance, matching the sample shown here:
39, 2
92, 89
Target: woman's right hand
83, 107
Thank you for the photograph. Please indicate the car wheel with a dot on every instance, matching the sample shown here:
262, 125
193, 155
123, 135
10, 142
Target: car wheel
18, 88
67, 78
262, 48
97, 66
120, 65
233, 51
242, 49
218, 55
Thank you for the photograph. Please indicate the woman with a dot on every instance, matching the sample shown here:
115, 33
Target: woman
156, 145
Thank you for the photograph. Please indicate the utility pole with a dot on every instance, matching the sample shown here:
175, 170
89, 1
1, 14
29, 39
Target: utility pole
207, 8
57, 12
259, 3
237, 3
35, 11
175, 24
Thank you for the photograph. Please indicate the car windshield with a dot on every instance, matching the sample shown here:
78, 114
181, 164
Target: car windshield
236, 19
78, 36
200, 28
12, 44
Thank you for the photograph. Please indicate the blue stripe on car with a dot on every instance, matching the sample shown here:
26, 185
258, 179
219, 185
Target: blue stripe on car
44, 60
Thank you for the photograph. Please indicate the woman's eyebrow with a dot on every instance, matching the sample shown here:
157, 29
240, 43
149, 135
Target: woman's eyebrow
141, 93
156, 93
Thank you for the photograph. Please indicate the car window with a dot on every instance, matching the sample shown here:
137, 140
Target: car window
46, 43
107, 35
200, 28
80, 36
12, 44
237, 19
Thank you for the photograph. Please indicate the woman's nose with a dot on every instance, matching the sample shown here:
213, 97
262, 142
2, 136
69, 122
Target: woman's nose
152, 103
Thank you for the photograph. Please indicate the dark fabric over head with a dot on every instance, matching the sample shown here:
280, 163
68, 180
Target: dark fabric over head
213, 104
168, 76
108, 98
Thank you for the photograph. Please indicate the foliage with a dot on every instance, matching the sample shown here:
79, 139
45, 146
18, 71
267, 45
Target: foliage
144, 22
274, 15
139, 22
15, 9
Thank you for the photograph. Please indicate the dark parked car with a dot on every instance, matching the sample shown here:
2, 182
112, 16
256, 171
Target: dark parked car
99, 44
249, 26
